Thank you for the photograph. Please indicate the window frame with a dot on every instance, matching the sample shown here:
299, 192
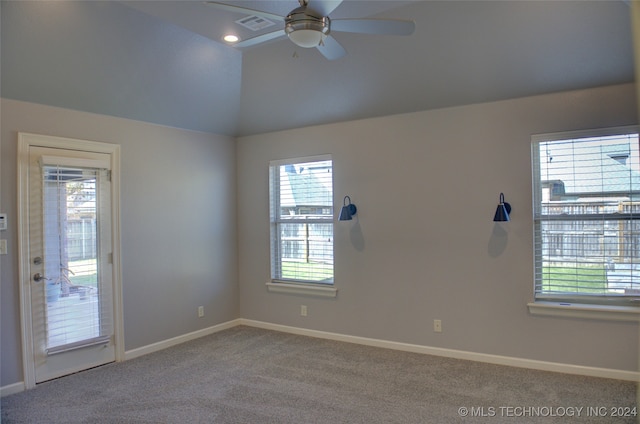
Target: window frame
626, 308
287, 285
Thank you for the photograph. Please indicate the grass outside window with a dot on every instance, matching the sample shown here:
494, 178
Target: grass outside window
307, 271
586, 279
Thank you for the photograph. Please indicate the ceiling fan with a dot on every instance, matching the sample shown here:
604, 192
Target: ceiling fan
309, 26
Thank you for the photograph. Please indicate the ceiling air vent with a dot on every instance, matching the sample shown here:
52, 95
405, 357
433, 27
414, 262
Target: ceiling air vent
255, 23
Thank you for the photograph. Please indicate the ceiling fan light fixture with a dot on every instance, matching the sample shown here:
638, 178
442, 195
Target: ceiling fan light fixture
306, 28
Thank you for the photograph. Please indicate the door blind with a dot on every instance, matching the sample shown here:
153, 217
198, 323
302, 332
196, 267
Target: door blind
78, 303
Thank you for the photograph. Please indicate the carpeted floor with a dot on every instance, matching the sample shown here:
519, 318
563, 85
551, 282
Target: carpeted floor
250, 375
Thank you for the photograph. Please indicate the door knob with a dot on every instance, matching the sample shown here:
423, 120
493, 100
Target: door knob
37, 277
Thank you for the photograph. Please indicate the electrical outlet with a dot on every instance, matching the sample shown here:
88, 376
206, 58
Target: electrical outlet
3, 247
200, 311
303, 310
437, 326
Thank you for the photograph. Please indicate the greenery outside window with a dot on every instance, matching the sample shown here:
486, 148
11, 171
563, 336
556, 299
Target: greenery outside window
301, 203
586, 195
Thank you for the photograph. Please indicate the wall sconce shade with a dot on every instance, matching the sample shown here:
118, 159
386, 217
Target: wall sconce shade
348, 210
503, 211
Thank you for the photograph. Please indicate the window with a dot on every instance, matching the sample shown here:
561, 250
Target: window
586, 193
301, 200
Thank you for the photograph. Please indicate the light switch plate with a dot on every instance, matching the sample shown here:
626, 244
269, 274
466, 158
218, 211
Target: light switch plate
3, 221
3, 247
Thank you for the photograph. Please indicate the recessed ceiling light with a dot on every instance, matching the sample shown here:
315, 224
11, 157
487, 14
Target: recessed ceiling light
230, 38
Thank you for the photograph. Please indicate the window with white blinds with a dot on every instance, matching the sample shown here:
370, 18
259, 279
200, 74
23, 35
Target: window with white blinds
586, 195
78, 306
301, 203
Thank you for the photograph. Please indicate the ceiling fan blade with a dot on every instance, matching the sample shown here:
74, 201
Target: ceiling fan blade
260, 39
324, 7
331, 49
374, 26
244, 10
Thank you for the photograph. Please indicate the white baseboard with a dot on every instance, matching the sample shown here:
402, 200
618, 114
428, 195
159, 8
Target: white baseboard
12, 389
452, 353
134, 353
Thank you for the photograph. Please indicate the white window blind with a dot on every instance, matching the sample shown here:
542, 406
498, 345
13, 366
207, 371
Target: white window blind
301, 203
587, 217
78, 307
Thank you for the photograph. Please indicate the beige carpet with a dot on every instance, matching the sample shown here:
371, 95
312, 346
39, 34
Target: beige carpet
249, 375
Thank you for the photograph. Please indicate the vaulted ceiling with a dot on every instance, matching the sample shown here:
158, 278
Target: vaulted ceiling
165, 61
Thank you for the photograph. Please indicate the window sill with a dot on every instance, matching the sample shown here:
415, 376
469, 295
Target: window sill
306, 289
576, 310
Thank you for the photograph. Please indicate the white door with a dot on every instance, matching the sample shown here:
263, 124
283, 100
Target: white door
71, 287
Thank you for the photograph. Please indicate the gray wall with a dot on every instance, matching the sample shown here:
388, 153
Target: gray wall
178, 216
423, 245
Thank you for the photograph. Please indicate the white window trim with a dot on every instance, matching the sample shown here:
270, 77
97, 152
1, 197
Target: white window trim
302, 288
301, 159
294, 287
576, 310
598, 132
579, 310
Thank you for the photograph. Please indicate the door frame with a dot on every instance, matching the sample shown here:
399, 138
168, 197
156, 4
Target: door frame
25, 141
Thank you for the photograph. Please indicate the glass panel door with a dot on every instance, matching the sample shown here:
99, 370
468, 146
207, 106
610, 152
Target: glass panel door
70, 254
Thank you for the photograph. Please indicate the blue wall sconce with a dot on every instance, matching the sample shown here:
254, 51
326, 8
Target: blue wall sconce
348, 210
503, 211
